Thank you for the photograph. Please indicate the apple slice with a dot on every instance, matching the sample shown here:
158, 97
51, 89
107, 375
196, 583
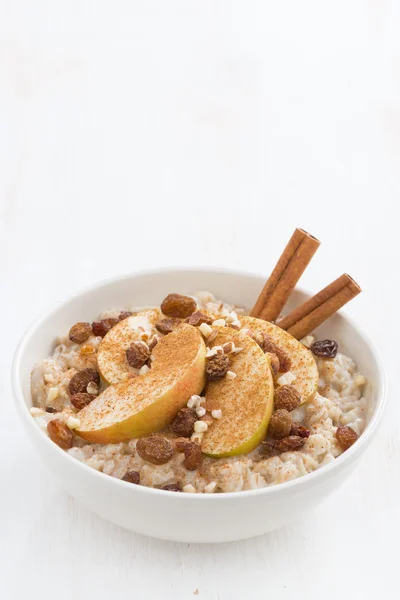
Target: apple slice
246, 401
149, 402
303, 366
111, 357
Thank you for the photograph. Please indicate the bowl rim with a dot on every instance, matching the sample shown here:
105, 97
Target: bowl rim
284, 488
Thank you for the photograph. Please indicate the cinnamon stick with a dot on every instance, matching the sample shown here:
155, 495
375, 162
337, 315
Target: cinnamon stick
289, 268
304, 319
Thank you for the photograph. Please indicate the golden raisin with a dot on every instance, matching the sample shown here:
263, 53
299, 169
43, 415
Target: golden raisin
79, 382
80, 332
81, 399
287, 444
193, 454
280, 424
176, 305
346, 436
60, 434
287, 397
155, 449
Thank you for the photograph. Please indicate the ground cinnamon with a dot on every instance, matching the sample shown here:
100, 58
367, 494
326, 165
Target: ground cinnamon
289, 268
304, 319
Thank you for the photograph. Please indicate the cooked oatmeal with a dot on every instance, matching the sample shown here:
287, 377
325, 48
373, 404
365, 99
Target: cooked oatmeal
338, 403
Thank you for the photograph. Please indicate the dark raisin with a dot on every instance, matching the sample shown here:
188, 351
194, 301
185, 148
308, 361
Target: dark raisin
198, 317
165, 326
297, 429
288, 444
124, 315
137, 354
172, 487
101, 328
132, 477
51, 409
325, 348
81, 400
192, 451
79, 382
217, 366
346, 436
184, 421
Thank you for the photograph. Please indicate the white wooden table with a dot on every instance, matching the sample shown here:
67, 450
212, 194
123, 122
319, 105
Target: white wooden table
138, 134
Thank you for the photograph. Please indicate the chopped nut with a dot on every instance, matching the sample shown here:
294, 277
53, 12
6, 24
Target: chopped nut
48, 377
207, 419
80, 332
194, 401
189, 489
214, 350
346, 436
101, 328
200, 427
36, 412
359, 380
92, 388
176, 305
216, 414
132, 477
232, 317
184, 422
137, 354
235, 324
288, 444
286, 378
60, 434
217, 366
297, 429
230, 375
73, 423
196, 437
280, 424
205, 330
81, 400
201, 411
143, 370
172, 487
153, 342
165, 326
210, 487
197, 318
228, 347
155, 449
286, 397
193, 455
52, 394
325, 348
219, 323
269, 345
274, 362
80, 381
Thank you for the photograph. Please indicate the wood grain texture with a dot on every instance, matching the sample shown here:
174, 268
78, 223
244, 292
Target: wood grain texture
197, 136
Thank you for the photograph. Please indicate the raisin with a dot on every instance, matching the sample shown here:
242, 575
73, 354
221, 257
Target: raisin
274, 362
269, 345
217, 366
176, 305
287, 397
155, 449
79, 382
81, 399
132, 477
193, 454
325, 348
280, 424
165, 326
346, 436
101, 328
287, 444
297, 429
198, 317
172, 487
124, 315
184, 421
50, 409
60, 434
137, 354
80, 332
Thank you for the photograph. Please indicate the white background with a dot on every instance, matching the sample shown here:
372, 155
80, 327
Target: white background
138, 134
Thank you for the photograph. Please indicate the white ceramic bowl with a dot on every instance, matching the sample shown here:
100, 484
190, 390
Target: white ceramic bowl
188, 517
